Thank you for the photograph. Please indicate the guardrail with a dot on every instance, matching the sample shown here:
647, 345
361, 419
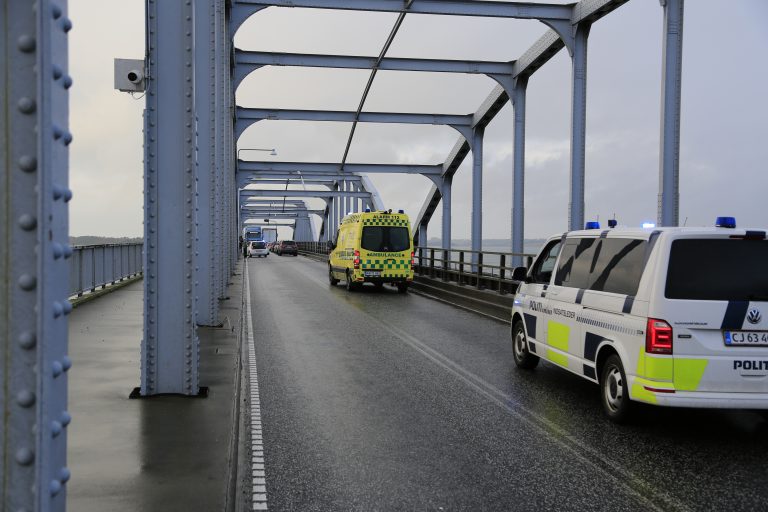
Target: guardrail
96, 266
489, 270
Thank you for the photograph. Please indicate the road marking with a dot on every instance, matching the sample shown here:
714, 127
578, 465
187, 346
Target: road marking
621, 476
259, 494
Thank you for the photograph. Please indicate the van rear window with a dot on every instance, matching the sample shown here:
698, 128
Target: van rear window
385, 239
258, 245
718, 269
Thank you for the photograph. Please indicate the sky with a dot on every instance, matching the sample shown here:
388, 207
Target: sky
724, 123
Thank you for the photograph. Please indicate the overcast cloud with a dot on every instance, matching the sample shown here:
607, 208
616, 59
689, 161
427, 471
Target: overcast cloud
724, 127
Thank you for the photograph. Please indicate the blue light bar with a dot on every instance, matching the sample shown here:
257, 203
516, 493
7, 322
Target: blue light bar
725, 222
612, 223
367, 210
592, 225
400, 211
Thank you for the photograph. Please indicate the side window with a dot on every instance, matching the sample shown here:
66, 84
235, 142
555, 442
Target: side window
576, 263
542, 269
619, 266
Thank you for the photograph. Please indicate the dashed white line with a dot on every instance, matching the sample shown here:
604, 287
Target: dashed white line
259, 482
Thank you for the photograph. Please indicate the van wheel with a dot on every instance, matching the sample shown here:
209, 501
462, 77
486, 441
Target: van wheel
332, 279
351, 285
614, 390
523, 357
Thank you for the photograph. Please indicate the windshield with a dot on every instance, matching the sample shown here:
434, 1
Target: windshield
289, 242
258, 245
718, 269
385, 239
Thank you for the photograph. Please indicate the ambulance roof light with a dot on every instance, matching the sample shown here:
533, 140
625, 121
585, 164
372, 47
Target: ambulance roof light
367, 210
592, 225
400, 211
725, 222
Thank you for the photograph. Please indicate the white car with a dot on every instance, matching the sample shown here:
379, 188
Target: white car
668, 316
258, 249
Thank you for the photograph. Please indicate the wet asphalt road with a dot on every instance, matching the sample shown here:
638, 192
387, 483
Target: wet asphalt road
378, 401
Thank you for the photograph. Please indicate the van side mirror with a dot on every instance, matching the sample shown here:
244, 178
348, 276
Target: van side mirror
520, 274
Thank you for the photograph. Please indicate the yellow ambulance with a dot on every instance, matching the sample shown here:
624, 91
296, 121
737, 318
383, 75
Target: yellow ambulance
372, 247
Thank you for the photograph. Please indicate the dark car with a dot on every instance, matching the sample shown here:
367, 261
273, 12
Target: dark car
287, 247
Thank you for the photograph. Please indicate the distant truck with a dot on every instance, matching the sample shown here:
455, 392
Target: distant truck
252, 233
269, 234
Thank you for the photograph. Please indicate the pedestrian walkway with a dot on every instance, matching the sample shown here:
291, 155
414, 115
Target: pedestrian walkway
165, 453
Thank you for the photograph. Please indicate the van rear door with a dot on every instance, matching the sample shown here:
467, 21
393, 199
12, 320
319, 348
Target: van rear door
716, 299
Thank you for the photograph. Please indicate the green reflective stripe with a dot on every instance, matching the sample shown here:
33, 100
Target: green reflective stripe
688, 373
557, 335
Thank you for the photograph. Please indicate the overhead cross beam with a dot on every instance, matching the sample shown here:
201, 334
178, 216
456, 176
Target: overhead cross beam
308, 193
246, 167
259, 177
249, 61
247, 116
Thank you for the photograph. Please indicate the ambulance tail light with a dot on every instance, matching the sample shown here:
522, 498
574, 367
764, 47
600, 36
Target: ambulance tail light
658, 337
356, 261
413, 260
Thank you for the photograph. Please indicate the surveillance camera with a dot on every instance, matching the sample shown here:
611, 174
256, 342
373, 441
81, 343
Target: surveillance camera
135, 76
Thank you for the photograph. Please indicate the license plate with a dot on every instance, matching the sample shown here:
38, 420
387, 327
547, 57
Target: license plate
372, 273
746, 338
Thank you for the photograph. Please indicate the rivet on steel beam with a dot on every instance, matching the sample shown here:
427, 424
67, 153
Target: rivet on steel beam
27, 340
57, 249
28, 163
25, 456
58, 309
56, 368
66, 24
66, 306
55, 487
66, 363
56, 12
27, 222
66, 418
27, 105
65, 474
67, 195
27, 282
67, 82
57, 72
68, 251
67, 138
57, 132
57, 192
56, 428
26, 43
25, 398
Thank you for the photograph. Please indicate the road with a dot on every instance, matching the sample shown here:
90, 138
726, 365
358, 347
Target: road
378, 401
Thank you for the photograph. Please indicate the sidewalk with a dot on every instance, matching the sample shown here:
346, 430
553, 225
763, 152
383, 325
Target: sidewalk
153, 454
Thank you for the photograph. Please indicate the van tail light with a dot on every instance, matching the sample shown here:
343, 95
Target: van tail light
658, 337
413, 260
356, 261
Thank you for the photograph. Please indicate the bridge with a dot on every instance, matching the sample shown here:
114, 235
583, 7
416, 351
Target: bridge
252, 384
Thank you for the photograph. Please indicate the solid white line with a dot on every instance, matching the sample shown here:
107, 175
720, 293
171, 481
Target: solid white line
259, 494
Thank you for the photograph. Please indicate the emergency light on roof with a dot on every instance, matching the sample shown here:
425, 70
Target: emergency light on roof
612, 223
592, 225
725, 222
367, 210
648, 225
400, 211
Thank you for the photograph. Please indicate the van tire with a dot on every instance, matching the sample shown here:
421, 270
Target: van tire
614, 390
523, 357
332, 280
351, 285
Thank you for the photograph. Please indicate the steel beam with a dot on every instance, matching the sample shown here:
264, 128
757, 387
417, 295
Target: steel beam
578, 128
205, 111
518, 10
34, 271
248, 116
477, 192
306, 193
334, 168
671, 79
169, 355
275, 176
518, 173
249, 61
445, 191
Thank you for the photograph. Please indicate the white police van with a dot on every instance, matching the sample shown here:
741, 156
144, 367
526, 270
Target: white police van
668, 316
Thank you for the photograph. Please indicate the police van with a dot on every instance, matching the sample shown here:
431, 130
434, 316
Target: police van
372, 247
668, 316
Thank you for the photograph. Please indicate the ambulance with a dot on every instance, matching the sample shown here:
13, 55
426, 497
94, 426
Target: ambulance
668, 316
372, 247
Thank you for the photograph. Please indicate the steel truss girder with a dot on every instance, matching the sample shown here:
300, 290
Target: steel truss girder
248, 116
245, 167
34, 271
249, 61
308, 193
306, 178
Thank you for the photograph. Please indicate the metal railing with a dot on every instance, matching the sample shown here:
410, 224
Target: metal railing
94, 266
321, 248
489, 270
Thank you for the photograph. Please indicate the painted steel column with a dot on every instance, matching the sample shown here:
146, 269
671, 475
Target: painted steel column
578, 127
223, 126
445, 191
671, 80
518, 176
477, 192
169, 356
205, 111
356, 201
346, 186
34, 273
423, 235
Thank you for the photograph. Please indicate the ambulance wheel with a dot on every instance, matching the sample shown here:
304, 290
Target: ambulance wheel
523, 357
332, 279
402, 287
614, 392
351, 285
